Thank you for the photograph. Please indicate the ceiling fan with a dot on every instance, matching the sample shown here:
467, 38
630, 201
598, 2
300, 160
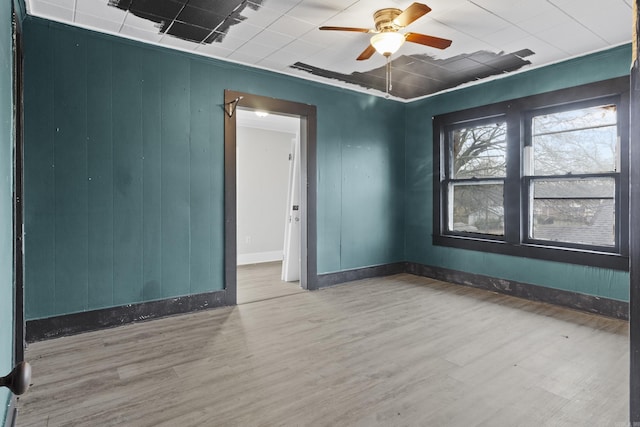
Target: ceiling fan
387, 37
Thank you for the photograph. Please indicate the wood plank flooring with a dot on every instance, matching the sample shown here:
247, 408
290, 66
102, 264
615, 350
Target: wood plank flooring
393, 351
258, 282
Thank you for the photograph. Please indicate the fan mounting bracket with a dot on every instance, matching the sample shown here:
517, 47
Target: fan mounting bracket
384, 19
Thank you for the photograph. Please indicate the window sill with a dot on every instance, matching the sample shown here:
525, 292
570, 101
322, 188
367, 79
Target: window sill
591, 258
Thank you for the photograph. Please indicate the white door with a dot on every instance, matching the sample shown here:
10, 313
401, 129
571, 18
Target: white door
291, 255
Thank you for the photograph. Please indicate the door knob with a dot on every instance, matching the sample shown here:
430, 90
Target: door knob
18, 380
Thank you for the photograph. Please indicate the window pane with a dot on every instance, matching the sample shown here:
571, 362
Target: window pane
574, 188
574, 211
477, 208
479, 151
576, 141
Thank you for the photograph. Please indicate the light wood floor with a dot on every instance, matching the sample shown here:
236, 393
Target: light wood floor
395, 351
258, 282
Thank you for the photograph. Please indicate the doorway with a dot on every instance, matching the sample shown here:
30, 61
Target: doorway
305, 209
267, 199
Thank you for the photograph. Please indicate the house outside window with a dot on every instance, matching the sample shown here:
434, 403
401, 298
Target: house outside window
544, 176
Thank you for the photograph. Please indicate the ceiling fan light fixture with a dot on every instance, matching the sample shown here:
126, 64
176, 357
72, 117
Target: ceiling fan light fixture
387, 43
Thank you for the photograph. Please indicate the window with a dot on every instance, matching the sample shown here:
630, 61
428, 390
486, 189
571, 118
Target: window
477, 170
544, 176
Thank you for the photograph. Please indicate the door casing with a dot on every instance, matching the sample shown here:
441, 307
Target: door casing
308, 128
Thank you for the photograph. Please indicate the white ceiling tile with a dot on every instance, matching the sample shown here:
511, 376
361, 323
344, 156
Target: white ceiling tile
100, 8
441, 8
612, 23
97, 23
281, 57
66, 4
348, 18
169, 40
274, 65
273, 39
231, 42
291, 26
213, 49
514, 10
255, 49
244, 30
543, 51
314, 14
473, 20
244, 58
326, 5
143, 24
52, 11
140, 34
510, 33
300, 47
279, 6
333, 38
572, 38
262, 17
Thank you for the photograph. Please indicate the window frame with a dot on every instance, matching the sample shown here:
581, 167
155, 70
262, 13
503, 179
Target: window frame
516, 113
450, 180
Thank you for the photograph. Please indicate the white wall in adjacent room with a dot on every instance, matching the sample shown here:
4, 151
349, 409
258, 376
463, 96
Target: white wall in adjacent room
262, 182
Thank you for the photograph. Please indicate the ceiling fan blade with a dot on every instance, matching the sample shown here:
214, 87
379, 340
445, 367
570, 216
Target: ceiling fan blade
410, 14
426, 40
366, 54
354, 29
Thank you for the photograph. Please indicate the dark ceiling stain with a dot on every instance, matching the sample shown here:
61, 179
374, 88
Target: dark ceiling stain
199, 21
418, 75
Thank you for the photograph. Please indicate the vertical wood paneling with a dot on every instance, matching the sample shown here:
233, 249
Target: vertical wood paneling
100, 173
39, 178
70, 165
127, 176
200, 144
166, 220
175, 177
152, 177
329, 203
216, 207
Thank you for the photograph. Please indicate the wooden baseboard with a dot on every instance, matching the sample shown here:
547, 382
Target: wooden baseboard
71, 324
331, 279
589, 303
259, 257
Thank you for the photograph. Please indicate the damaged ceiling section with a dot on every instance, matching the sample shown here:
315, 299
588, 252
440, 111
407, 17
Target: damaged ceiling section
199, 21
420, 75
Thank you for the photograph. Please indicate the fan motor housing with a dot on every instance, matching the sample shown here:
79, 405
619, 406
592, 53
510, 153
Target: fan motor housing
384, 19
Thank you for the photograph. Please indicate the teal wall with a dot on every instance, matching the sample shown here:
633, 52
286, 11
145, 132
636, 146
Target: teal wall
419, 165
124, 170
6, 203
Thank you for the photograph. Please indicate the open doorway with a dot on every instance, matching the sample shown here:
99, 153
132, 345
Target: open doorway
302, 207
267, 205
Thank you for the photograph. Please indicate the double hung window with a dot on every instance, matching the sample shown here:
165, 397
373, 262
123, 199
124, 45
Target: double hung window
544, 176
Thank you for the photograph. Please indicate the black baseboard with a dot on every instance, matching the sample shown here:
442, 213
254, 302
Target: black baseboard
331, 279
71, 324
592, 304
75, 323
12, 412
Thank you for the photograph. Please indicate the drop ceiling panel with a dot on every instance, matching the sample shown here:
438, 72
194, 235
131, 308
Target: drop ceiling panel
283, 35
600, 23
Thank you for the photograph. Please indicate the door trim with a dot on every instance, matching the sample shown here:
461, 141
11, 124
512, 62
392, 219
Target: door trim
308, 235
18, 191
